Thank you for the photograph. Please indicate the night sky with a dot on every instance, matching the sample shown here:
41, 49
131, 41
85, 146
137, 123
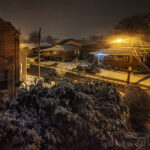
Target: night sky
69, 18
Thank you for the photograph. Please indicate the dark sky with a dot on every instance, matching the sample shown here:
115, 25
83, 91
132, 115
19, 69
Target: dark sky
69, 18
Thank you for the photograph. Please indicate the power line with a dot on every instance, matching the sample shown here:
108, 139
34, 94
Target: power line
137, 57
136, 54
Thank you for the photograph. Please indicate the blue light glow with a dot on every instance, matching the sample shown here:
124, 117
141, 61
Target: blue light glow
101, 54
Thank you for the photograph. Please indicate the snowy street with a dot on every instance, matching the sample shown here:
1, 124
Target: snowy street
120, 75
112, 74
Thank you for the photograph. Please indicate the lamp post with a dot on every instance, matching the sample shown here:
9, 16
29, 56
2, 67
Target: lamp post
130, 61
129, 73
130, 58
39, 53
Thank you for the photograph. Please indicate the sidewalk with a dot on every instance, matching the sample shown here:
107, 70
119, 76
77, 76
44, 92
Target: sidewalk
110, 75
123, 76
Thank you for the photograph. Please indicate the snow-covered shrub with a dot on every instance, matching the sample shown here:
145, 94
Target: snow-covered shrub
79, 68
87, 69
4, 102
74, 116
138, 102
51, 75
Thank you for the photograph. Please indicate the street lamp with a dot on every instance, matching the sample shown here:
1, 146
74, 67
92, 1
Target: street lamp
119, 41
124, 41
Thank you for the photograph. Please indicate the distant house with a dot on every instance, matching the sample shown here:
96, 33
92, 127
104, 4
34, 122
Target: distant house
62, 52
79, 43
85, 47
71, 42
74, 48
32, 48
120, 58
9, 58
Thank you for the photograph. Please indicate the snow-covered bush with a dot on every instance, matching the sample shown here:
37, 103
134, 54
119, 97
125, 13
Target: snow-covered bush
51, 75
68, 116
138, 102
4, 102
87, 69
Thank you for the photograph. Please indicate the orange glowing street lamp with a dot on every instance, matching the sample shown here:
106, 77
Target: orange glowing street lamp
130, 62
119, 40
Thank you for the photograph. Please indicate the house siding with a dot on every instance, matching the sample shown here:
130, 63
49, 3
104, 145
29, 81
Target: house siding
123, 62
9, 52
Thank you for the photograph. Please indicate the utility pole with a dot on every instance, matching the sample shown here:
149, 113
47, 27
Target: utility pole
130, 60
39, 52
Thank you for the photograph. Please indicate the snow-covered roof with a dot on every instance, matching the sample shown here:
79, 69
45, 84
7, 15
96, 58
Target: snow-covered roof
10, 25
45, 44
71, 42
32, 45
64, 47
113, 52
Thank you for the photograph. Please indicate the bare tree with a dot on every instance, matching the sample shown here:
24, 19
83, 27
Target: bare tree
136, 24
33, 37
49, 39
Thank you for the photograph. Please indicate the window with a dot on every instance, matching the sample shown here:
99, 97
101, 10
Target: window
3, 80
110, 57
120, 57
127, 58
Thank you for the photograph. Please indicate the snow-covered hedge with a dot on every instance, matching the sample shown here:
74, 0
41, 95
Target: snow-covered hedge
68, 116
87, 69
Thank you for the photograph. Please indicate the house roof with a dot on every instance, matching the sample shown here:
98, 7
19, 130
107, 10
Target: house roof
9, 25
114, 52
71, 42
64, 41
64, 47
32, 45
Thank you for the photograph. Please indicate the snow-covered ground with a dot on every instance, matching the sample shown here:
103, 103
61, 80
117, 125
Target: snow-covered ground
123, 76
120, 75
30, 80
65, 65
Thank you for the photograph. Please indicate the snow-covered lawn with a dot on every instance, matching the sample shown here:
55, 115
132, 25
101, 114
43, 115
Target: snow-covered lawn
65, 65
30, 80
120, 75
123, 76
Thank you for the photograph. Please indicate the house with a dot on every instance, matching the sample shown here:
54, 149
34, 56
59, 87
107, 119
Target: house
120, 58
9, 58
71, 42
85, 46
64, 52
32, 48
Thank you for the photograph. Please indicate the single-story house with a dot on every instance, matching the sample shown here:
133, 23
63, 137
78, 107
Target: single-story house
121, 58
62, 52
71, 42
32, 49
